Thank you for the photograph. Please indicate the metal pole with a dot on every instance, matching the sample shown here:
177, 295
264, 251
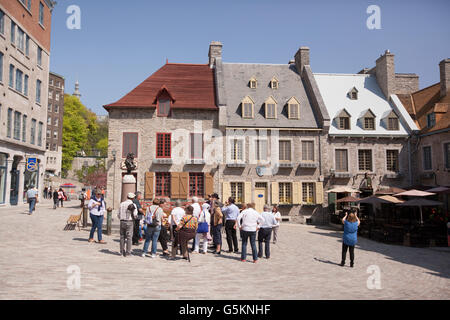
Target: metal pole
85, 212
108, 221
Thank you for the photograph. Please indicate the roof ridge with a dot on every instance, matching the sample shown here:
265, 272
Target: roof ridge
187, 64
425, 88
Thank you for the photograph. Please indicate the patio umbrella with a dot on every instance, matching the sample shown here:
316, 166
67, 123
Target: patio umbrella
343, 189
374, 200
348, 199
389, 191
419, 202
415, 193
439, 190
68, 185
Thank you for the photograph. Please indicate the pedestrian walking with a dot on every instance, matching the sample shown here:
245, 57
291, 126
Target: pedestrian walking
216, 226
45, 192
97, 209
137, 221
127, 213
231, 212
351, 225
202, 229
251, 220
186, 231
32, 199
153, 219
60, 197
82, 197
265, 231
55, 199
50, 192
277, 215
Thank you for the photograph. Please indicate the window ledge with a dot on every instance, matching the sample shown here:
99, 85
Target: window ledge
307, 164
162, 161
40, 67
25, 7
18, 92
41, 25
285, 165
342, 175
195, 161
236, 165
392, 175
2, 35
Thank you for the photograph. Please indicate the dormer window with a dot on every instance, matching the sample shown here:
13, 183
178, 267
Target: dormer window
253, 83
163, 107
163, 101
343, 120
393, 123
274, 83
368, 120
248, 107
431, 120
271, 108
293, 108
353, 94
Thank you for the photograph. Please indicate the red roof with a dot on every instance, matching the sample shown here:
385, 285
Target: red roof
190, 86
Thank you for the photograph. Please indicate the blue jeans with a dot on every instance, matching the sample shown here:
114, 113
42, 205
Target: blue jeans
32, 203
97, 223
152, 233
252, 236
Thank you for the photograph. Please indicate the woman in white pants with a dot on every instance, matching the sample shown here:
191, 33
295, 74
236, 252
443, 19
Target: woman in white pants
204, 217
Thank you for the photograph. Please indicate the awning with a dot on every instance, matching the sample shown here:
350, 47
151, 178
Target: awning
391, 190
380, 199
415, 193
420, 202
343, 189
439, 190
348, 199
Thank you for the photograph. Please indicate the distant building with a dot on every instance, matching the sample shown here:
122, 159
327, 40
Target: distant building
77, 93
25, 28
55, 112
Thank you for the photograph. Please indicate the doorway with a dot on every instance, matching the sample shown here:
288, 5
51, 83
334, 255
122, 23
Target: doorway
260, 196
15, 179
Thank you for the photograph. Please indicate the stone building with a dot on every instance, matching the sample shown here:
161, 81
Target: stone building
25, 28
273, 126
368, 145
430, 108
55, 112
168, 122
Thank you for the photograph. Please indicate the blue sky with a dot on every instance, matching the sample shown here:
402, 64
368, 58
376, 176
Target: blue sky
121, 43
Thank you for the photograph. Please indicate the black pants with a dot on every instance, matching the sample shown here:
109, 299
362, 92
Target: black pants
136, 232
231, 235
264, 236
344, 252
163, 238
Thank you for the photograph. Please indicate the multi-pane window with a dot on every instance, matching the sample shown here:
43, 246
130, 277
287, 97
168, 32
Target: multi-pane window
431, 120
41, 13
19, 78
38, 91
33, 131
26, 3
365, 160
25, 85
49, 107
274, 84
11, 76
237, 191
17, 125
24, 128
162, 184
341, 160
447, 155
2, 22
49, 134
163, 108
57, 96
261, 149
393, 123
369, 123
253, 83
55, 122
247, 110
130, 144
294, 111
196, 145
9, 123
392, 160
20, 39
1, 67
13, 32
285, 192
39, 56
307, 150
49, 121
344, 123
270, 110
55, 134
50, 94
237, 149
427, 164
163, 145
39, 139
285, 150
56, 108
27, 45
308, 192
196, 185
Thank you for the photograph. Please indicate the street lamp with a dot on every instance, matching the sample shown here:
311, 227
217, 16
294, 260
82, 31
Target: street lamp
114, 152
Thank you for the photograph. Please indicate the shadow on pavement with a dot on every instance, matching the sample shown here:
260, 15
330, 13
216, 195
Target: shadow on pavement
81, 239
107, 251
327, 261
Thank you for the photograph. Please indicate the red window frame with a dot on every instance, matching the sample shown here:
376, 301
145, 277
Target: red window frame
162, 184
196, 184
126, 145
165, 112
163, 145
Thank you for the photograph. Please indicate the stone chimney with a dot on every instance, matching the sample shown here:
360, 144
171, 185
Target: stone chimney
444, 68
215, 51
302, 58
385, 73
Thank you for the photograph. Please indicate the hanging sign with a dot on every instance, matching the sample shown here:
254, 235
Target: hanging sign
32, 164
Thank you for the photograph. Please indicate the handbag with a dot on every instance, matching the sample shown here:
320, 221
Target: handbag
202, 226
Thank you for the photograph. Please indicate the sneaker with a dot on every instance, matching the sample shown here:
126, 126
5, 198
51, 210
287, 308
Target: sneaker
351, 264
204, 252
236, 251
242, 260
143, 255
153, 255
91, 240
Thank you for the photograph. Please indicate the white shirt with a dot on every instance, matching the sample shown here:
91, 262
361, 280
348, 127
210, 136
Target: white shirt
122, 214
277, 215
205, 216
176, 215
94, 210
250, 220
197, 210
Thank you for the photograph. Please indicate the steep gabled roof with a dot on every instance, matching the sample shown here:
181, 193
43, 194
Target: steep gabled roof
191, 85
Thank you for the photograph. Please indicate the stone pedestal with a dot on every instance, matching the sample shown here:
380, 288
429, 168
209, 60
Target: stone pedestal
128, 185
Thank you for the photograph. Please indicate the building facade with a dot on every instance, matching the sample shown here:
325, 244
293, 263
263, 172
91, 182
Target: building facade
55, 112
24, 73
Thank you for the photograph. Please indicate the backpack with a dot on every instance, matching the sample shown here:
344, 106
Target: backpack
150, 219
131, 207
81, 196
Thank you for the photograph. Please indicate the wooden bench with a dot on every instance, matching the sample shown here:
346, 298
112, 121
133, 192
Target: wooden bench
74, 221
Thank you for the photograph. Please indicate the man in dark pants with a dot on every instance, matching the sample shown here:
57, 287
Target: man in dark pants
265, 231
140, 216
231, 211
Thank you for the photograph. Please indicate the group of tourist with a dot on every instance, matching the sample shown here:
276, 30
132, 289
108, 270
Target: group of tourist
200, 223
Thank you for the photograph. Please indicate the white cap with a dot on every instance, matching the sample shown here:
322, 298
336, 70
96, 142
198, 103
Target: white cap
131, 195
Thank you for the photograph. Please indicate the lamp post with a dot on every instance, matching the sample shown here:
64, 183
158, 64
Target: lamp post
113, 152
